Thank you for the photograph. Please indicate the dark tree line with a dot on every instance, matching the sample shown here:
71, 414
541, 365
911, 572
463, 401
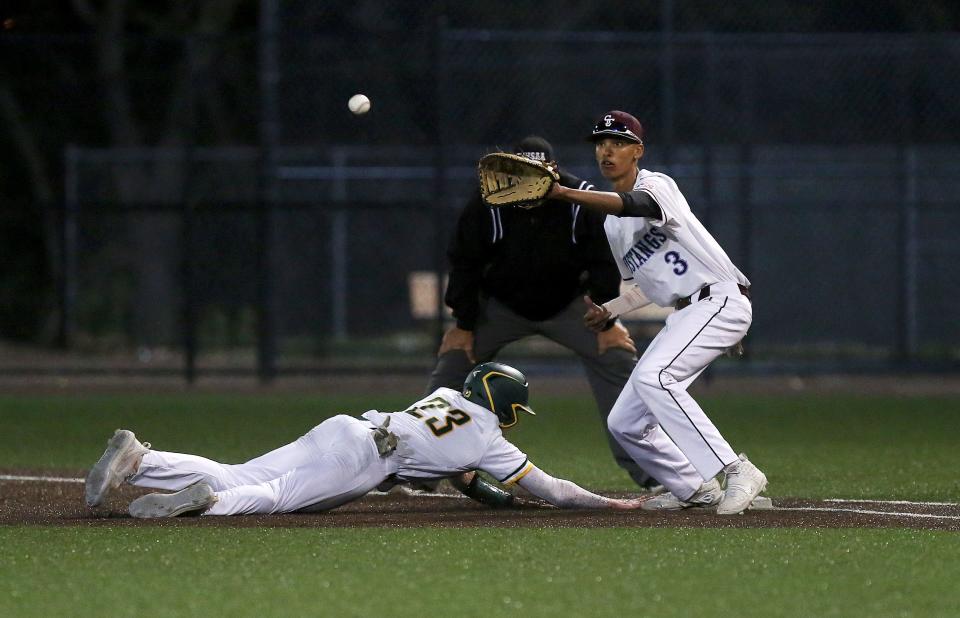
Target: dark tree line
120, 73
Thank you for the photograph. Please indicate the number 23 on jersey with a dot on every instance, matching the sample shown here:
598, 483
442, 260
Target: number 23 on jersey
438, 407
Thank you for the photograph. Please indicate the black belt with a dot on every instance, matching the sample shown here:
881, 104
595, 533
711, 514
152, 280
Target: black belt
703, 293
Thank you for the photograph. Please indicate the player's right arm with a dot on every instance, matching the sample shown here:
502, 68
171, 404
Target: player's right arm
568, 495
506, 463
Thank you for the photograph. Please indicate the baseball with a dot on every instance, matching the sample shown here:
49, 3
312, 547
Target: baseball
359, 104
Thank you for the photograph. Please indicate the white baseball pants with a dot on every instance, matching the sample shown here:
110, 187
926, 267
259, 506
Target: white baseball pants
335, 462
655, 420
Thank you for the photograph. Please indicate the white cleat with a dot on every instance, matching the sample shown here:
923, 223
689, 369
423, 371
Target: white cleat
708, 495
744, 483
118, 463
197, 497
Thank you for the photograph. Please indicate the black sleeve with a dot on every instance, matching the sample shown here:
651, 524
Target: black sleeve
483, 492
640, 204
574, 182
468, 253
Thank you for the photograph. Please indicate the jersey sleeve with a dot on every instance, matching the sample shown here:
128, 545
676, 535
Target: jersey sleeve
611, 228
631, 299
667, 195
505, 462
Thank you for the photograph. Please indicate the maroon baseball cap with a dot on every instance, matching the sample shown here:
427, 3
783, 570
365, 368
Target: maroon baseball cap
618, 124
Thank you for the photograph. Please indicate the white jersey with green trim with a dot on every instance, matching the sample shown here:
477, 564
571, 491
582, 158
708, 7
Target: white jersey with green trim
672, 258
444, 434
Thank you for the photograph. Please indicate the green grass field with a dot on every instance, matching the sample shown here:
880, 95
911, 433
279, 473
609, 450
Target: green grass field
809, 446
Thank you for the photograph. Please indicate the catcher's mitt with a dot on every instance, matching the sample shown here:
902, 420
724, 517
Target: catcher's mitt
512, 180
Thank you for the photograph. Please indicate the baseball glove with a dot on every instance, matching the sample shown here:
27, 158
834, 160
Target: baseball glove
512, 180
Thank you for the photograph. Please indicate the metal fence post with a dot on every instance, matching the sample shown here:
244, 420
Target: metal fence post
710, 94
69, 238
187, 281
668, 69
440, 168
705, 208
906, 343
908, 219
269, 138
747, 170
187, 227
339, 248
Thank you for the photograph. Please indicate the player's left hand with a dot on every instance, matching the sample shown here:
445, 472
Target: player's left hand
628, 504
556, 191
596, 316
617, 336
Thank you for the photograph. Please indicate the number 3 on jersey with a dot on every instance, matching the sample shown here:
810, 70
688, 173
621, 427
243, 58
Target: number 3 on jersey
451, 417
679, 265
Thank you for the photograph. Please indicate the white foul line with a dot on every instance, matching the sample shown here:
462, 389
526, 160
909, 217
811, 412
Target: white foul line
58, 479
46, 479
865, 512
908, 502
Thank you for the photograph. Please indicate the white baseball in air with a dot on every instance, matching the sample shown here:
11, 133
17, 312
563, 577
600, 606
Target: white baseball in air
359, 104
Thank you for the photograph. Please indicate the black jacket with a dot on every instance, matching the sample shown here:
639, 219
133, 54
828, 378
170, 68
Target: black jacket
533, 261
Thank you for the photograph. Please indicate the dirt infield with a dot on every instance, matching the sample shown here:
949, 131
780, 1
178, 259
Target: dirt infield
60, 503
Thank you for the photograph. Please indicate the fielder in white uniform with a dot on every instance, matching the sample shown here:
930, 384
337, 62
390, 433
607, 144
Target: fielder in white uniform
671, 260
344, 457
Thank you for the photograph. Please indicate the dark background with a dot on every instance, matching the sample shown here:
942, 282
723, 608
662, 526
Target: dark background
183, 188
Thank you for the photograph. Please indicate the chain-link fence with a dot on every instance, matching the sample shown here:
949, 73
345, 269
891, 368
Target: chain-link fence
824, 163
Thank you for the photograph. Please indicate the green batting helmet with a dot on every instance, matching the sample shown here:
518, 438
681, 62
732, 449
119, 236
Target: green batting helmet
499, 388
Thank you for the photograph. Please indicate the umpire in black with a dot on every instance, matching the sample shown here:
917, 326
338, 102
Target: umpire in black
520, 271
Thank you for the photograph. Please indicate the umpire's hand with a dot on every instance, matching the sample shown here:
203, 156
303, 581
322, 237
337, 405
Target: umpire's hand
457, 339
617, 336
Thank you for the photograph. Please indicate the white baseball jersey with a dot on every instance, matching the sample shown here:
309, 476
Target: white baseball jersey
443, 434
671, 258
338, 461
